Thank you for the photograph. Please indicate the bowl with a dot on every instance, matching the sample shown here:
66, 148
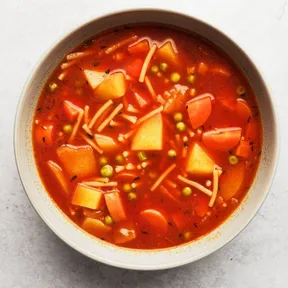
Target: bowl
106, 252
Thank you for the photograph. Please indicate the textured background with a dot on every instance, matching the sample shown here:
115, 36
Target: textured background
32, 256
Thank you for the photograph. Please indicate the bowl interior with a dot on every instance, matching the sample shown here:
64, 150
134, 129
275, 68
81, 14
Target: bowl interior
105, 252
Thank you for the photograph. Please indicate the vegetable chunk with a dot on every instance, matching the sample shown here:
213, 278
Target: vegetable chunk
70, 110
149, 135
198, 162
199, 109
106, 143
167, 52
139, 47
59, 175
87, 197
77, 160
124, 233
222, 139
94, 78
96, 227
113, 87
115, 206
231, 181
155, 219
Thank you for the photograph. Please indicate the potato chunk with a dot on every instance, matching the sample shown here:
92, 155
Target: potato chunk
77, 160
94, 78
149, 135
198, 162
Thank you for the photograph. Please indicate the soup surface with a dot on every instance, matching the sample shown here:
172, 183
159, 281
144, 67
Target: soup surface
147, 137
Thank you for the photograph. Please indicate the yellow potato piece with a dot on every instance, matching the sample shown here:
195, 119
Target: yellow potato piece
198, 162
87, 197
106, 143
94, 78
77, 160
113, 87
149, 135
167, 52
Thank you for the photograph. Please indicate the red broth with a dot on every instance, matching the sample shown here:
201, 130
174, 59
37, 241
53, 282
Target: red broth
147, 158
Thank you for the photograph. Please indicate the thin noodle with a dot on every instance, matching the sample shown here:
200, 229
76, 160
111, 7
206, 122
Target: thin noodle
146, 62
112, 115
99, 112
163, 176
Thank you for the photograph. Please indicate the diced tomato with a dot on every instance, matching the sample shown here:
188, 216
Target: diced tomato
155, 218
133, 67
70, 110
124, 232
115, 206
200, 205
169, 194
243, 110
44, 134
139, 47
222, 139
199, 109
96, 227
243, 149
231, 181
180, 220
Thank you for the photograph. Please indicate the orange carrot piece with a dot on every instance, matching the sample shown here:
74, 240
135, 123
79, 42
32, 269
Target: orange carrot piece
96, 227
222, 139
199, 109
243, 110
243, 149
139, 47
156, 219
115, 206
125, 232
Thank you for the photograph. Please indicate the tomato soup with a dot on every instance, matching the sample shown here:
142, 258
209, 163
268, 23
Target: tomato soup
147, 137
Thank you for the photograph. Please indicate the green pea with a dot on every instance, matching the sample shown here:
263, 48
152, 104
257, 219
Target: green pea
132, 196
181, 126
186, 191
142, 156
187, 236
106, 171
233, 160
241, 90
191, 78
120, 159
127, 187
53, 86
175, 77
67, 129
103, 161
178, 117
108, 220
172, 153
163, 66
154, 69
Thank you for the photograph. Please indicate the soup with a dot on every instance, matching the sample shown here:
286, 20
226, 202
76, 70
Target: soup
147, 137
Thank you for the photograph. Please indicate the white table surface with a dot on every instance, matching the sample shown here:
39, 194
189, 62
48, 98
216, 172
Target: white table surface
32, 256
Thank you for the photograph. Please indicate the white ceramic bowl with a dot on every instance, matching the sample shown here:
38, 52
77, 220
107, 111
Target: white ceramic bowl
105, 252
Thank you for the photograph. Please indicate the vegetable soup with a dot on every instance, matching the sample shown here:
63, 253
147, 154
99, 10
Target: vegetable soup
147, 137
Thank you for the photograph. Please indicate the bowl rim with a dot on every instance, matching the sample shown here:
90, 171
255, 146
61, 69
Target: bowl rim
133, 266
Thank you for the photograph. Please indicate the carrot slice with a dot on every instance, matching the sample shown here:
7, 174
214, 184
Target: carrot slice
59, 175
70, 110
231, 181
243, 110
222, 139
124, 233
201, 205
87, 197
156, 219
95, 227
115, 206
44, 134
243, 149
199, 109
139, 47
